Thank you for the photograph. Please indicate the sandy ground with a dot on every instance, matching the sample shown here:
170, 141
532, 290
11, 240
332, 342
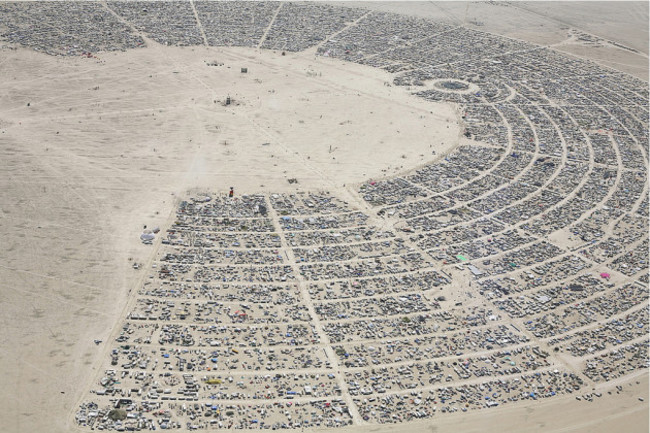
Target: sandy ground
108, 145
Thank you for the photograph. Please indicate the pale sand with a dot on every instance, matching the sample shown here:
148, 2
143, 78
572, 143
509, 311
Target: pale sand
73, 203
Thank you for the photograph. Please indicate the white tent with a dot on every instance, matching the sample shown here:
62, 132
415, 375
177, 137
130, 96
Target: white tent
147, 235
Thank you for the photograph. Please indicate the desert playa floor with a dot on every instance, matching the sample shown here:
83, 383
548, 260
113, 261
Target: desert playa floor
77, 191
92, 149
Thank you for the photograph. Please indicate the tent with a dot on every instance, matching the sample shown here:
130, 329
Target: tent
147, 235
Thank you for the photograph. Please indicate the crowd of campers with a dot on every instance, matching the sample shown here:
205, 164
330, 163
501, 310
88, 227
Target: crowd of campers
463, 284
